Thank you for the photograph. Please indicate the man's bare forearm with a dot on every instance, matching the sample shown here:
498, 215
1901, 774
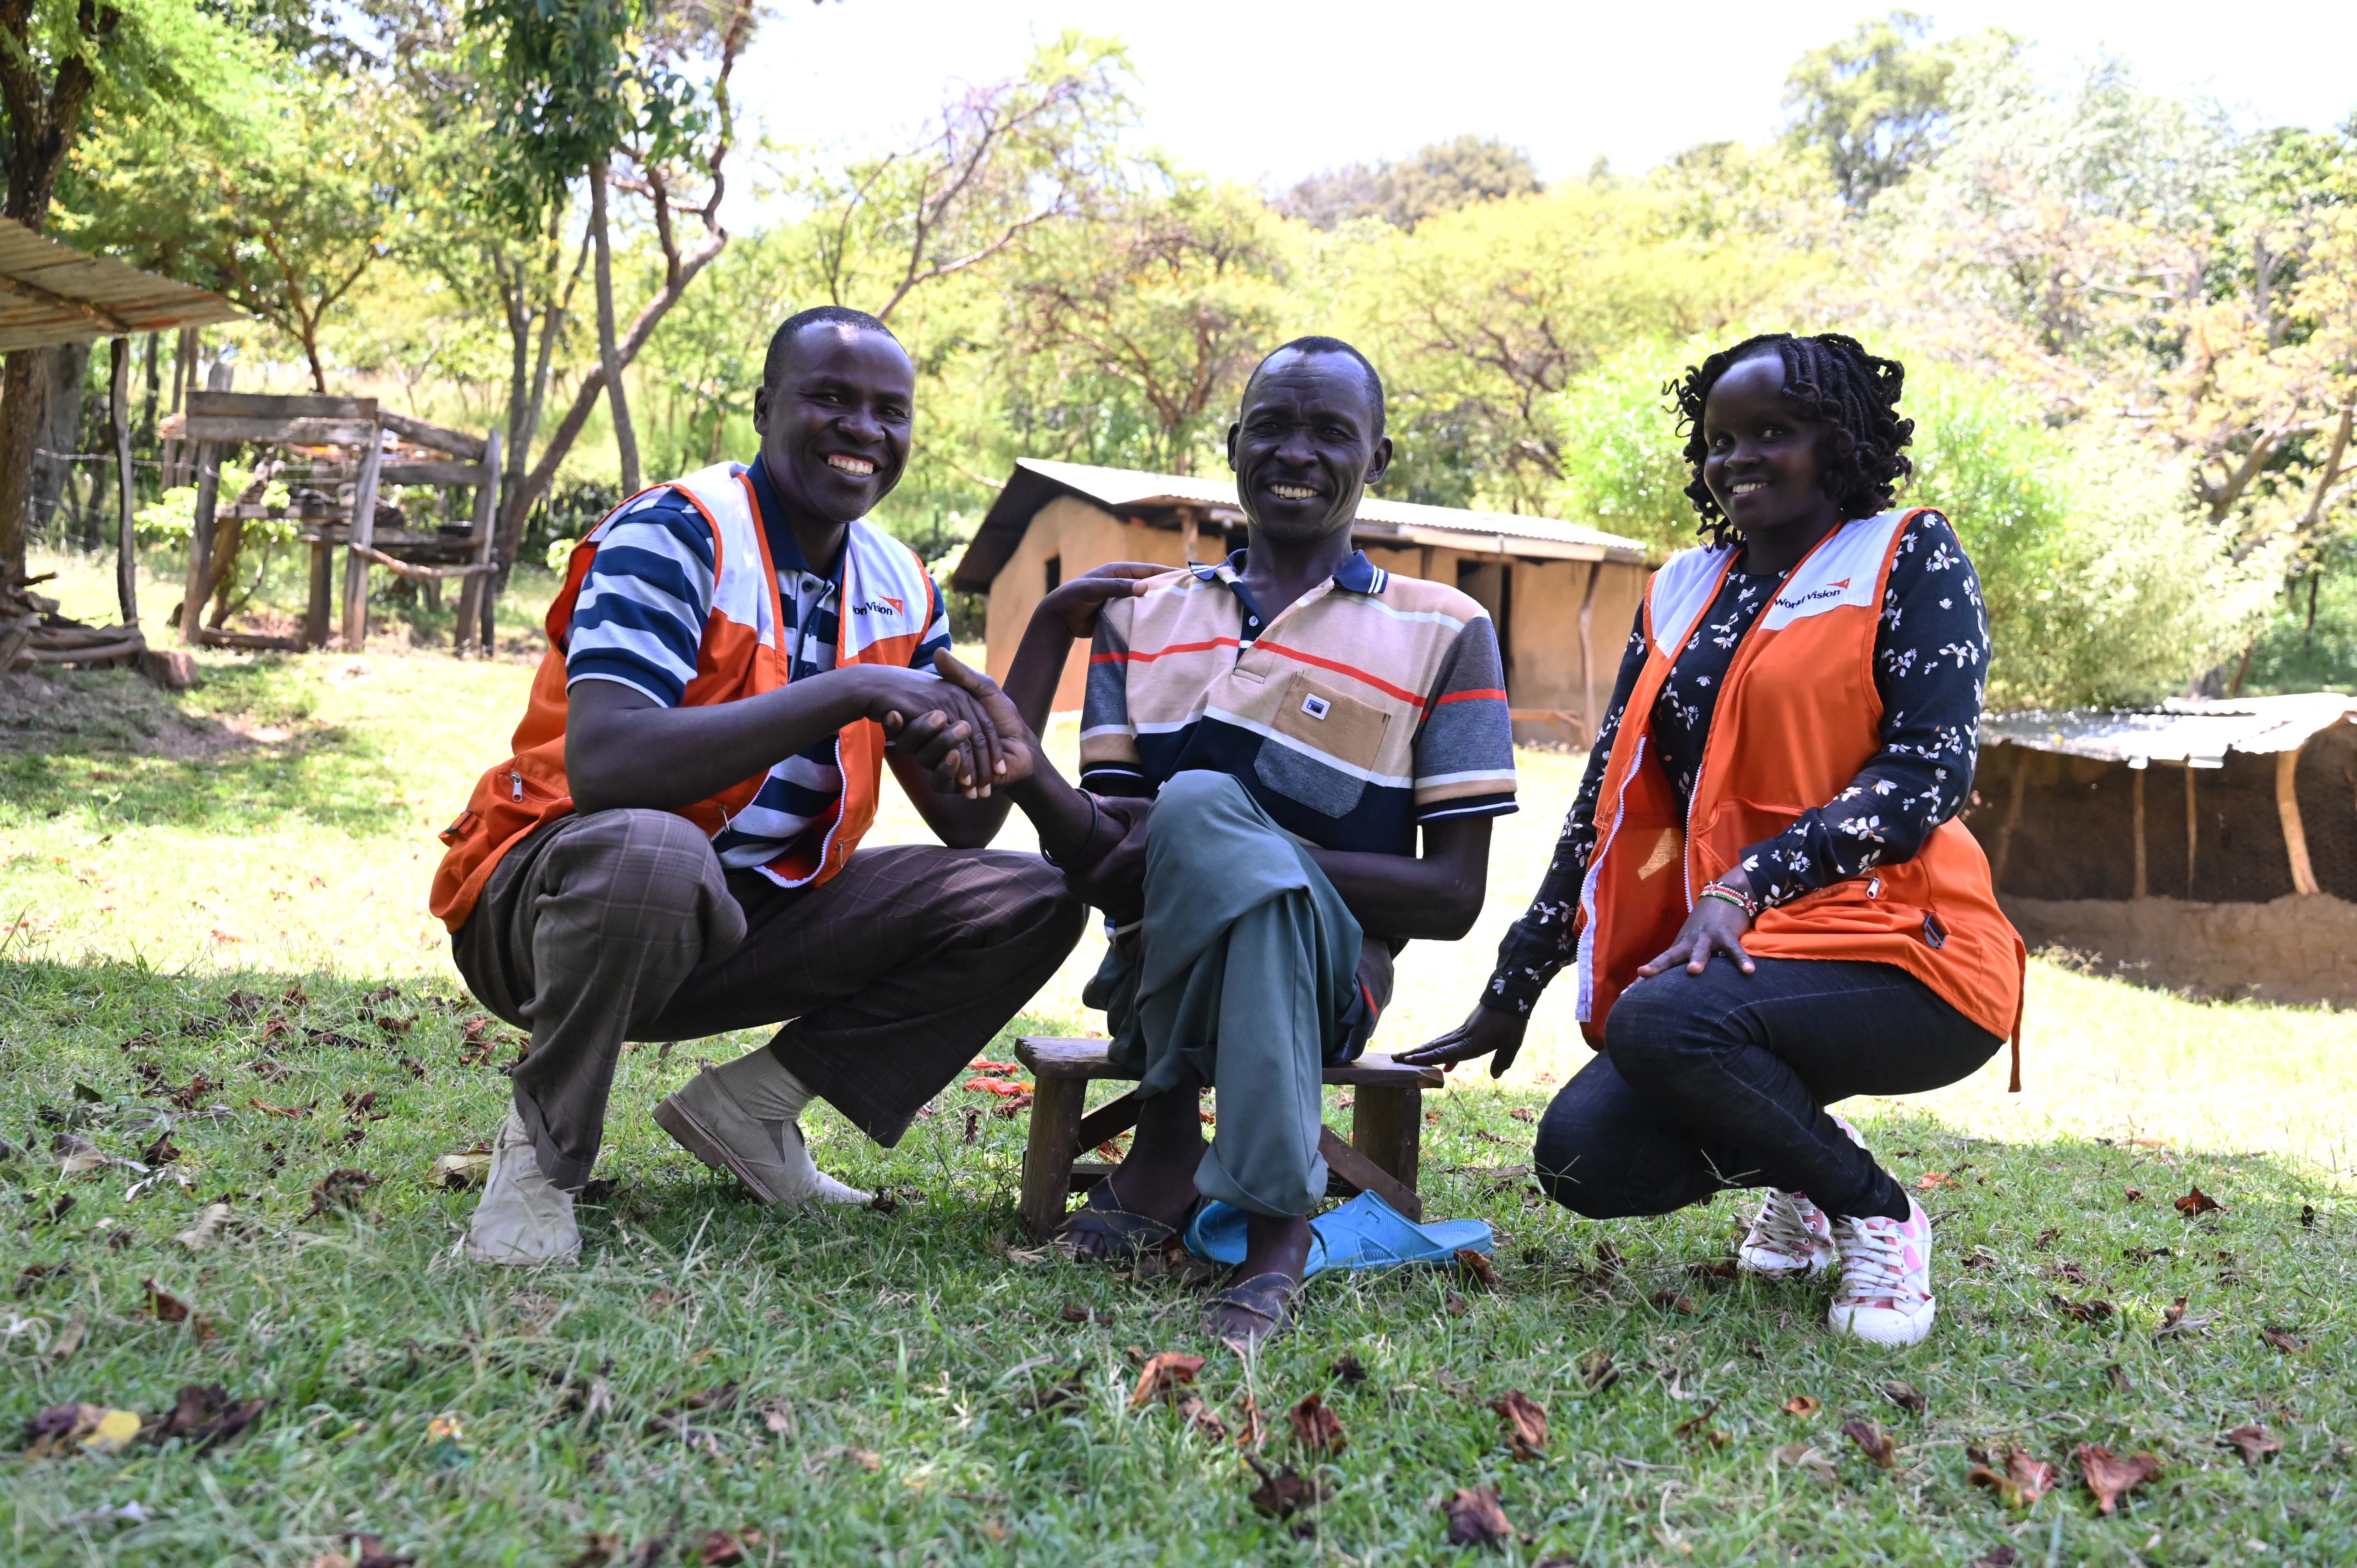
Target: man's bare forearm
1063, 815
1434, 897
1038, 669
622, 749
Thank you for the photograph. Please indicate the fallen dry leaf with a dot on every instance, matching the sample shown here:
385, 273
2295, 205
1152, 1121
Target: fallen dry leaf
2192, 1203
867, 1459
465, 1169
338, 1192
1670, 1301
1906, 1396
1284, 1492
1475, 1519
1931, 1179
207, 1417
1200, 1418
2109, 1478
2284, 1339
368, 1552
2255, 1442
972, 1125
2046, 1238
70, 1337
1998, 1556
2093, 1311
94, 1429
1803, 1456
1526, 1424
1872, 1441
2133, 1193
1316, 1427
1522, 1113
1250, 1428
162, 1305
1476, 1266
1348, 1370
1597, 1371
727, 1546
292, 1112
1802, 1405
162, 1152
1715, 1269
2022, 1482
1162, 1375
206, 1229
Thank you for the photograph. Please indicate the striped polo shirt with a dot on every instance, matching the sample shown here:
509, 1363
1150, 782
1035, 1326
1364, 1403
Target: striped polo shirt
1370, 705
640, 622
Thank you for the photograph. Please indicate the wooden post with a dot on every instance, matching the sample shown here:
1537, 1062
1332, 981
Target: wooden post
362, 536
2143, 888
2192, 831
1387, 1125
126, 546
201, 541
2303, 873
321, 604
475, 596
1191, 533
1588, 714
1048, 1157
201, 537
2021, 756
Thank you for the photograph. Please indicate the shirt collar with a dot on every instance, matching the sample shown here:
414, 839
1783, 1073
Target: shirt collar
1356, 575
785, 555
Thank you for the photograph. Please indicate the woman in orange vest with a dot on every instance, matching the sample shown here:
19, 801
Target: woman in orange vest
1762, 884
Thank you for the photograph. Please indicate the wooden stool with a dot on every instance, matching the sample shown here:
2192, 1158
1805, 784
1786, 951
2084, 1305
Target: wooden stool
1387, 1128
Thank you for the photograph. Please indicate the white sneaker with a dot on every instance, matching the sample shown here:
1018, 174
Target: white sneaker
1886, 1290
767, 1156
523, 1219
1790, 1238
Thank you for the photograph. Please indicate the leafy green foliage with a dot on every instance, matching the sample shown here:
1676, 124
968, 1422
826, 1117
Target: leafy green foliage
1439, 178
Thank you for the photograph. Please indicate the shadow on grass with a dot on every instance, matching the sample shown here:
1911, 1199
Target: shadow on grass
107, 746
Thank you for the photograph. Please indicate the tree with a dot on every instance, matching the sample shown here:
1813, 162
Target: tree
1127, 339
1439, 178
1874, 104
60, 60
997, 166
643, 95
1482, 316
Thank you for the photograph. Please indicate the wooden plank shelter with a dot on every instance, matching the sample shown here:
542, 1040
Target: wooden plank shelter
336, 457
1559, 593
2237, 876
52, 295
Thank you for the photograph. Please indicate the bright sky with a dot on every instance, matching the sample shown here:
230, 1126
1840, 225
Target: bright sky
1254, 90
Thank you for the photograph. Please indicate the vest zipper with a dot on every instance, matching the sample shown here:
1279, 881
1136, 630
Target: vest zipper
515, 786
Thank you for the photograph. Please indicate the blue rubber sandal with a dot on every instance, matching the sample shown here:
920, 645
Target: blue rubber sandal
1365, 1233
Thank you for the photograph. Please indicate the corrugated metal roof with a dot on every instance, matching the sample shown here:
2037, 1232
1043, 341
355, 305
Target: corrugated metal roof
52, 294
1117, 487
2194, 730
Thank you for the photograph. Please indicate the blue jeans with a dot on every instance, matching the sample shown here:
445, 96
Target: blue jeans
1721, 1080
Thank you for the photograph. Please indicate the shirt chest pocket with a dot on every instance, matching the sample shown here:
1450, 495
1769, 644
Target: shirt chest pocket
1337, 741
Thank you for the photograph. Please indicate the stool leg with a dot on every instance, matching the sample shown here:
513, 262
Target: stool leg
1387, 1126
1048, 1157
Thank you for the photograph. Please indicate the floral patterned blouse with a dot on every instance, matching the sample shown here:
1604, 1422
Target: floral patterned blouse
1930, 666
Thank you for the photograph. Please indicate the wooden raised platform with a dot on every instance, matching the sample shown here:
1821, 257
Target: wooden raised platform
1386, 1127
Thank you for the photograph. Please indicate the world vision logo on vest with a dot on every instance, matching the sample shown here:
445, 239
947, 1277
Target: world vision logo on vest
1831, 592
882, 605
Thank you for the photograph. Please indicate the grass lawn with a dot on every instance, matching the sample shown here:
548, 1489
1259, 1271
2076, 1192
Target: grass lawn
229, 887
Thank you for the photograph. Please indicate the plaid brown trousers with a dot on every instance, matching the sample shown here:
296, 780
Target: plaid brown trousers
622, 926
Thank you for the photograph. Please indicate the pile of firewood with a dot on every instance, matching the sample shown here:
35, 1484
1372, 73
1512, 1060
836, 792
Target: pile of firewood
32, 632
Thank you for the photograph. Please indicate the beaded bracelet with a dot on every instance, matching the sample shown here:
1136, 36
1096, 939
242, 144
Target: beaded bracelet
1726, 895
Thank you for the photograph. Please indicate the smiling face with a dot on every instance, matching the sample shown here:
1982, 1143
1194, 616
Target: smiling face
834, 424
1306, 445
1763, 463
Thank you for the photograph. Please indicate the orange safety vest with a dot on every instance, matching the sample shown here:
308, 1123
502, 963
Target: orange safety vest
885, 599
1798, 716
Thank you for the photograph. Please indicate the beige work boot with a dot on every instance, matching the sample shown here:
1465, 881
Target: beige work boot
767, 1156
523, 1219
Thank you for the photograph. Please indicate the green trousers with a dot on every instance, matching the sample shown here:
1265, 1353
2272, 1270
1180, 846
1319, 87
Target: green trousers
1247, 976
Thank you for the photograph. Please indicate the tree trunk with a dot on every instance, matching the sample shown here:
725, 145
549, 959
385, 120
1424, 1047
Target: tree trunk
23, 394
118, 426
609, 357
60, 434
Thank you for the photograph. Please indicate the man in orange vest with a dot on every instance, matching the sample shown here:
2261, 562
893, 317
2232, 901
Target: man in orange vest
670, 852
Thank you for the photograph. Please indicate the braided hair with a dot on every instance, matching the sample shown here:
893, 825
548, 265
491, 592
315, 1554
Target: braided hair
1829, 377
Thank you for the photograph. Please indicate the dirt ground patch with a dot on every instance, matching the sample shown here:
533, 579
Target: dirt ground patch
113, 710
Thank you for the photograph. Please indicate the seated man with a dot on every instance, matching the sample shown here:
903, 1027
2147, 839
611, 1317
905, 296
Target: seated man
673, 853
1261, 742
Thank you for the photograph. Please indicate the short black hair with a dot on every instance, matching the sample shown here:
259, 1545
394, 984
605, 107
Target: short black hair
781, 340
1827, 376
1328, 346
